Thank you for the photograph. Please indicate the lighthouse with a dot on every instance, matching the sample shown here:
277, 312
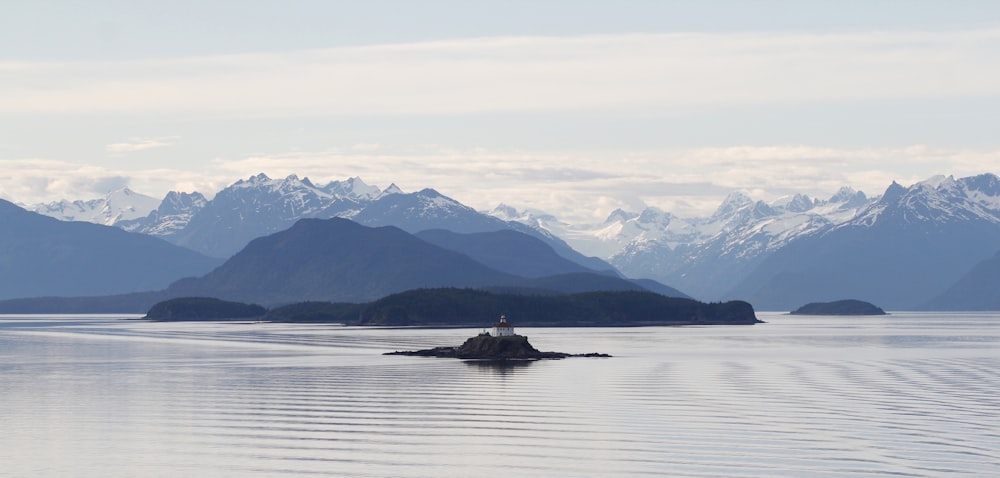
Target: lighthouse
502, 328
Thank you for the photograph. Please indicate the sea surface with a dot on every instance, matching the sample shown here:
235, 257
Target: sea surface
900, 395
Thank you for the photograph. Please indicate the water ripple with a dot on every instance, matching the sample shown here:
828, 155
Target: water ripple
871, 399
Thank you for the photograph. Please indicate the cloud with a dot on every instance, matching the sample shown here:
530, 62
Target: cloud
139, 144
687, 71
772, 171
574, 186
30, 181
37, 180
366, 147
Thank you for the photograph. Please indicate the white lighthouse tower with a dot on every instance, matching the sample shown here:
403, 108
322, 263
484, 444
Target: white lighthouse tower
502, 328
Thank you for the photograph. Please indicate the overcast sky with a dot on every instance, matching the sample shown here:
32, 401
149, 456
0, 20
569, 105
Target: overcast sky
571, 107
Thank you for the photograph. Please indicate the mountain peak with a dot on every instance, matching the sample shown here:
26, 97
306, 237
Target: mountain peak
843, 194
360, 189
733, 202
505, 212
795, 203
124, 194
176, 197
654, 215
620, 215
848, 198
260, 178
354, 188
938, 182
987, 184
392, 189
115, 206
893, 192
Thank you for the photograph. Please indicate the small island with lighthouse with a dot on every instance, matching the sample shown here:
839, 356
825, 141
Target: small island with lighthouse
500, 343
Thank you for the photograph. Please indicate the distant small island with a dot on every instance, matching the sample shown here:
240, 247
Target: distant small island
501, 344
839, 307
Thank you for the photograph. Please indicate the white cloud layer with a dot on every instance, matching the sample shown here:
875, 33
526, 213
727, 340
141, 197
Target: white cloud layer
523, 74
578, 187
139, 144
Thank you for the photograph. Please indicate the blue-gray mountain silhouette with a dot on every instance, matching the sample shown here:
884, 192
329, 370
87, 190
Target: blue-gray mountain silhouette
978, 289
42, 256
338, 260
335, 260
541, 267
506, 251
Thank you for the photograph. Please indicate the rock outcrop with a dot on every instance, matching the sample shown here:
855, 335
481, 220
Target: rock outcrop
488, 347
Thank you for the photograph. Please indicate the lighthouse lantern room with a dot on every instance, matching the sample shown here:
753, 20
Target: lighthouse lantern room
502, 328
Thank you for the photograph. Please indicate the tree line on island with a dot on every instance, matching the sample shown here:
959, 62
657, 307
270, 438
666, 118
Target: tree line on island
456, 307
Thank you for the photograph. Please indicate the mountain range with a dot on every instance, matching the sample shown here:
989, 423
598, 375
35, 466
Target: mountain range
258, 206
705, 257
896, 250
337, 260
909, 245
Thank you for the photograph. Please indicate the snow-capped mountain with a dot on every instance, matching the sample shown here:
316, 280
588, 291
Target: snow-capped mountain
939, 199
909, 245
604, 240
258, 206
716, 252
356, 188
701, 256
542, 222
173, 215
426, 209
116, 206
247, 209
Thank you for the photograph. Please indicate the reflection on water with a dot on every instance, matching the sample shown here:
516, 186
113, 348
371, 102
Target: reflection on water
904, 395
499, 366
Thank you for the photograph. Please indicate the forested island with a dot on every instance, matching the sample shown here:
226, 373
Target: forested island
203, 308
452, 307
839, 307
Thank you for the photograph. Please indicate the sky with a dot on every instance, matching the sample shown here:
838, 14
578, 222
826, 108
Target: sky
575, 108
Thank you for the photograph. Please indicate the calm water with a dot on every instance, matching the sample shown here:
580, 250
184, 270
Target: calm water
903, 395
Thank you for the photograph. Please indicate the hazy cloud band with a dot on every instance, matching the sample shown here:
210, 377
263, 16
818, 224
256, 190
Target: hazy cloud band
522, 74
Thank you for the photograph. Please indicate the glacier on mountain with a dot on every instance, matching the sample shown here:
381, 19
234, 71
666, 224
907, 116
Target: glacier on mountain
114, 207
703, 256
